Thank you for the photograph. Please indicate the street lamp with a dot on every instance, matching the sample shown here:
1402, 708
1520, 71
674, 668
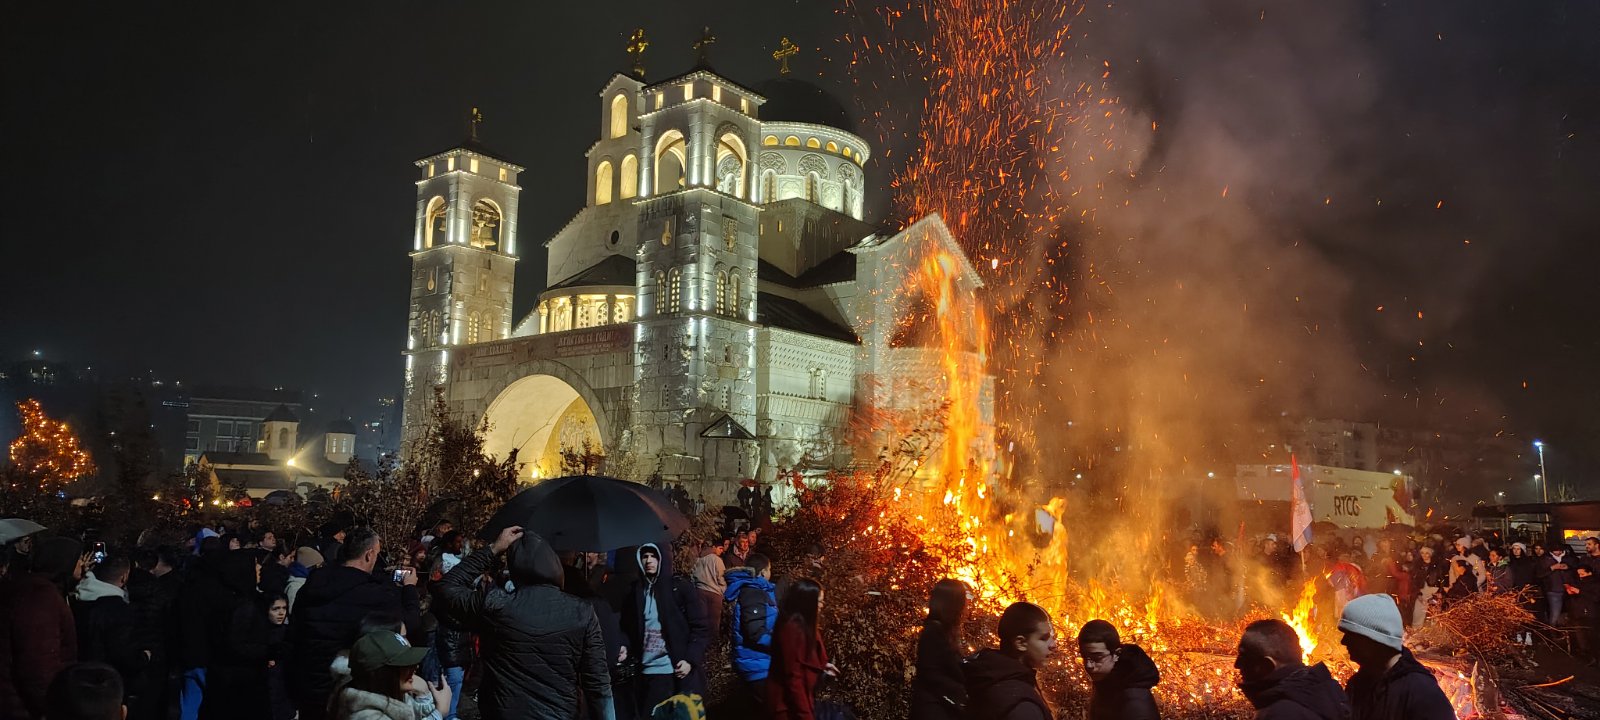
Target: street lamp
1544, 477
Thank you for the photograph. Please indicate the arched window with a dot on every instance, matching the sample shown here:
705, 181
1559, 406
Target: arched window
791, 141
436, 226
283, 437
602, 183
630, 176
619, 115
722, 291
733, 294
674, 290
769, 186
731, 161
833, 146
672, 160
770, 141
474, 327
486, 222
661, 292
813, 187
812, 143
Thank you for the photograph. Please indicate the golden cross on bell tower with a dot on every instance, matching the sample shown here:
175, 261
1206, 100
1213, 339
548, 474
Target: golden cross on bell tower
474, 119
785, 51
703, 45
636, 47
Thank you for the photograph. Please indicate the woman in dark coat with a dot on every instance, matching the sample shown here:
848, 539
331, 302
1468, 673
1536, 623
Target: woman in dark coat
236, 623
939, 690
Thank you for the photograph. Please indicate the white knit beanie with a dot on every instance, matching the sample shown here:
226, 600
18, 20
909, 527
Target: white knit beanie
1374, 617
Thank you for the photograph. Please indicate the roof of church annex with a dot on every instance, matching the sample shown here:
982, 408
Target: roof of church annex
614, 270
342, 426
781, 312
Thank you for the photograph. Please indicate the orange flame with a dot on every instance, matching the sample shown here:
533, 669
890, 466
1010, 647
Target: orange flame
1301, 618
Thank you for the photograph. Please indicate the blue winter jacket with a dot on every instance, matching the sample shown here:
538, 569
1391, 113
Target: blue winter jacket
755, 614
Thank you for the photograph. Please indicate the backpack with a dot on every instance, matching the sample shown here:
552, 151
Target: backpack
680, 707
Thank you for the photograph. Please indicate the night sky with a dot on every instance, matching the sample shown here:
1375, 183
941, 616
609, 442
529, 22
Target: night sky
226, 195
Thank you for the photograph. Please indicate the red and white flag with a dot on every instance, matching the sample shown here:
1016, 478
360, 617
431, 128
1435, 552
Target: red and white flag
1300, 510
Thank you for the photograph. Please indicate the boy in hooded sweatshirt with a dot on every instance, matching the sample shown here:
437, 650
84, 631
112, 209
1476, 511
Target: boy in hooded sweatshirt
1002, 683
667, 636
1122, 675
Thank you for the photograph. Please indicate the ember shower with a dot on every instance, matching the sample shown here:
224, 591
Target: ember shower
1149, 297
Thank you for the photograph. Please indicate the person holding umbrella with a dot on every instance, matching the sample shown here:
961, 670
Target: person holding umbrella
544, 655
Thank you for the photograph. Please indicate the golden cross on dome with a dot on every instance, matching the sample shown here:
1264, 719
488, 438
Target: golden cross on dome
636, 47
474, 119
785, 51
703, 45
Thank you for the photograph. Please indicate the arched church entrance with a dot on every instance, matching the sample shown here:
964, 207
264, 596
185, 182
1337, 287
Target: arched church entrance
542, 417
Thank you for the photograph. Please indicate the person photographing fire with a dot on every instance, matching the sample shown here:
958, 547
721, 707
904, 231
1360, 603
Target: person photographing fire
1391, 684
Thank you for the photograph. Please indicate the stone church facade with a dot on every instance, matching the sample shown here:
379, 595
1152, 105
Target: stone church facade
718, 311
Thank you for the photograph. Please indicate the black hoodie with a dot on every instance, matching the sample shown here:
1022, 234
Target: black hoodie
1298, 693
1124, 693
674, 622
543, 653
1407, 691
1000, 687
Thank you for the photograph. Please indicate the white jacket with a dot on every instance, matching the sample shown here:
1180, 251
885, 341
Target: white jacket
353, 704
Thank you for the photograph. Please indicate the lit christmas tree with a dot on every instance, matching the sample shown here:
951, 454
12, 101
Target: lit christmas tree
47, 453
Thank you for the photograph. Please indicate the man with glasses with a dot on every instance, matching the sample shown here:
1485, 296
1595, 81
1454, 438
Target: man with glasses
1122, 675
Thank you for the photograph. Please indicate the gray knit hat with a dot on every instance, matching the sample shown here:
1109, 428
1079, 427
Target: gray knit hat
1374, 617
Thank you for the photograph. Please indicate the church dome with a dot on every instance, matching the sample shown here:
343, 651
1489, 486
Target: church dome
342, 427
797, 100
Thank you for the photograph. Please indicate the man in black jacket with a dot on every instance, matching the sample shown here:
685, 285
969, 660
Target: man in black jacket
109, 628
543, 652
153, 587
1002, 683
328, 612
1276, 680
1391, 684
1555, 572
1122, 675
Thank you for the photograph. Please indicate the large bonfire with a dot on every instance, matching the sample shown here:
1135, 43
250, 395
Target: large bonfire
1024, 165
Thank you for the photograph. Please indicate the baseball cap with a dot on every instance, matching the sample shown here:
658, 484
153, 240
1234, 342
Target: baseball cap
12, 529
381, 648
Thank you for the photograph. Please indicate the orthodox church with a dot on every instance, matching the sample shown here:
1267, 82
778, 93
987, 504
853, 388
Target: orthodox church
718, 311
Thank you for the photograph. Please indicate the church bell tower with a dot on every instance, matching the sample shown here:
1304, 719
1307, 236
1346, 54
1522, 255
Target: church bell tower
463, 257
697, 257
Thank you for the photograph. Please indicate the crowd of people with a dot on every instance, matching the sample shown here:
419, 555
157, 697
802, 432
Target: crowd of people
1424, 575
253, 622
1000, 683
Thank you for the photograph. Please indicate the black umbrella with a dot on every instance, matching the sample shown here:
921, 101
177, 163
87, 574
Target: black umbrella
591, 513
